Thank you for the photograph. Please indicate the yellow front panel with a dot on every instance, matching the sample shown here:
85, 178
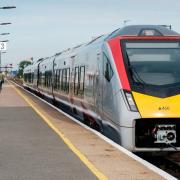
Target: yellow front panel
152, 107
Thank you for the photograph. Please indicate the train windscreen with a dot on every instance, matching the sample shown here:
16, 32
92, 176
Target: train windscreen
153, 63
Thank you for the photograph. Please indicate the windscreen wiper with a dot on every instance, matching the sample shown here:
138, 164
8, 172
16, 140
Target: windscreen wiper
134, 73
136, 76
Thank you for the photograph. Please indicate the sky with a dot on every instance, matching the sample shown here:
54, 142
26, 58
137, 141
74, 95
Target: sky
41, 28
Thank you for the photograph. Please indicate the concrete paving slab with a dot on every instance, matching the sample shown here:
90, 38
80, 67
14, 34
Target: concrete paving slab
9, 97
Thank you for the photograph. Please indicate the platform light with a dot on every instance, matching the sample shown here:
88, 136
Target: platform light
8, 7
4, 34
5, 23
5, 41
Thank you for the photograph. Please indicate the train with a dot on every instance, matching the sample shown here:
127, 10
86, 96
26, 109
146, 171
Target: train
126, 84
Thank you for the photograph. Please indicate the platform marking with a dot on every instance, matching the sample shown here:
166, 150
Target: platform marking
150, 166
81, 156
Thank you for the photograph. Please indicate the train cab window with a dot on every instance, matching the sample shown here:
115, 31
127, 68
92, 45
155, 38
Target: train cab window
107, 69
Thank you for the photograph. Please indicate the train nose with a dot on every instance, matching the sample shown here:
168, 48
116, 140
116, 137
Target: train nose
155, 107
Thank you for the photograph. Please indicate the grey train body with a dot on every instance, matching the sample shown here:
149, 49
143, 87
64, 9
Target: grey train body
86, 80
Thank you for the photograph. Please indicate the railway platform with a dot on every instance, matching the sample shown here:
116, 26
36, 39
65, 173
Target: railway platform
39, 142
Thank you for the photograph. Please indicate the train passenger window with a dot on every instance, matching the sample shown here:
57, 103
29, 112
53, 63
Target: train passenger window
68, 78
39, 79
79, 76
29, 77
55, 79
32, 78
24, 76
63, 80
42, 79
59, 78
76, 80
82, 76
45, 79
48, 79
108, 72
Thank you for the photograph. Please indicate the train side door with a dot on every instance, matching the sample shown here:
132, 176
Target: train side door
108, 104
71, 81
99, 85
53, 77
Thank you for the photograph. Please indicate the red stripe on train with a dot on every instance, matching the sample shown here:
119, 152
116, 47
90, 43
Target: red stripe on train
118, 58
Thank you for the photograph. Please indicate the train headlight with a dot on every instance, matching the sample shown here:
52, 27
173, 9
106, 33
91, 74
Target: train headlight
130, 101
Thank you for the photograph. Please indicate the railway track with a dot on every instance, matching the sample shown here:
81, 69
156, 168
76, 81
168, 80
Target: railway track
170, 163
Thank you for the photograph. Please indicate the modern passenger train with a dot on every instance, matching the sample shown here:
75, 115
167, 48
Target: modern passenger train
127, 83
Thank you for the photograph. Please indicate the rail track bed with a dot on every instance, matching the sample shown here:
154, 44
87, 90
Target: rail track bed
170, 163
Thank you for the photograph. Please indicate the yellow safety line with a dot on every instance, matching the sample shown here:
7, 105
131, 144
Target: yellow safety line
81, 156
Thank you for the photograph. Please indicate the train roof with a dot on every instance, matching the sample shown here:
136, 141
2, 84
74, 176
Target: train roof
131, 30
139, 30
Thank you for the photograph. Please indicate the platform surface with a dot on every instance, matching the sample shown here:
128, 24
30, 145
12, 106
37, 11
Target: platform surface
30, 149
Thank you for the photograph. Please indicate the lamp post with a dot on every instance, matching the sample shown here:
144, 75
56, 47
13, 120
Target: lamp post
2, 24
5, 41
8, 7
2, 34
3, 44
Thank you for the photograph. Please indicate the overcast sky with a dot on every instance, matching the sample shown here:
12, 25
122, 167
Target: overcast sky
41, 28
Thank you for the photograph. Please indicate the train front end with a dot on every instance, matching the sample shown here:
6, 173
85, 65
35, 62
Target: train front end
150, 79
